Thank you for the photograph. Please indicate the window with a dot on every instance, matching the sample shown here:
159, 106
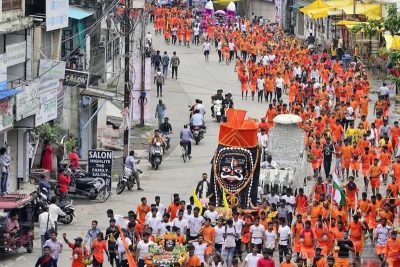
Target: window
8, 5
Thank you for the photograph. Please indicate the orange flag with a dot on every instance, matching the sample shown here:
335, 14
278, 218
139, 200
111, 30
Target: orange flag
129, 257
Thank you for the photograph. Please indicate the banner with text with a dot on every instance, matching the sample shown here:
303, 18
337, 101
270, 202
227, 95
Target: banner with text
48, 92
6, 113
52, 69
27, 101
100, 165
16, 53
56, 14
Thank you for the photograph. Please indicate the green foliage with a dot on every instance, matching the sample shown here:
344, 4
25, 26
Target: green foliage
370, 28
392, 22
49, 132
395, 58
70, 142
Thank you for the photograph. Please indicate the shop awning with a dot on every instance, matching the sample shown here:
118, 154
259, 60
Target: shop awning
78, 13
392, 41
8, 93
319, 9
348, 23
99, 93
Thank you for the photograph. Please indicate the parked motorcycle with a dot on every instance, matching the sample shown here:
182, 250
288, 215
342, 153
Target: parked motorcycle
84, 185
127, 179
66, 205
198, 134
218, 110
156, 152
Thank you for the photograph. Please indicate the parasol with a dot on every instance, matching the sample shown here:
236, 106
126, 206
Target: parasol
220, 12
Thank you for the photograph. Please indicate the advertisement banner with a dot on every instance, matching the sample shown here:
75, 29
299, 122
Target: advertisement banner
79, 79
56, 14
16, 53
52, 69
6, 113
27, 101
48, 94
100, 165
3, 72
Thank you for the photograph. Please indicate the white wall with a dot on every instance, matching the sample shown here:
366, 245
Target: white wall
262, 8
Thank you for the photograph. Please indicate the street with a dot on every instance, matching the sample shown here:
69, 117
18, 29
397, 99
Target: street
196, 80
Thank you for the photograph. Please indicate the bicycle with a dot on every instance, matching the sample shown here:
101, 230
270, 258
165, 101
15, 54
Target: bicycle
184, 152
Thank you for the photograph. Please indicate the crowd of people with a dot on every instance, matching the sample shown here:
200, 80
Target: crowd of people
344, 140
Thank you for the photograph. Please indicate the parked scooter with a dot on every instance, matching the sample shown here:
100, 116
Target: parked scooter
127, 179
84, 185
156, 153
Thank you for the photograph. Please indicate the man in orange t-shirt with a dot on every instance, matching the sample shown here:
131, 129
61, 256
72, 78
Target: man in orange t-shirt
193, 260
142, 210
308, 242
392, 256
346, 158
375, 172
356, 235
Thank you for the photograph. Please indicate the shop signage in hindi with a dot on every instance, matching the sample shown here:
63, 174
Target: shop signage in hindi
100, 165
56, 14
52, 69
75, 78
27, 101
48, 94
16, 53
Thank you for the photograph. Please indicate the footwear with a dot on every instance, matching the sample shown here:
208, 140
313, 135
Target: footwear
140, 189
190, 157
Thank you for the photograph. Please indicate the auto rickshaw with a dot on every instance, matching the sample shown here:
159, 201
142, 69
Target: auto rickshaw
21, 208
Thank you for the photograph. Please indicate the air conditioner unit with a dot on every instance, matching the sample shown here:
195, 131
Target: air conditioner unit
86, 100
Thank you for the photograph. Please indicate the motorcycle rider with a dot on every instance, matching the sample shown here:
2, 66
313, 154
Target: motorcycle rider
131, 164
166, 128
217, 96
153, 140
185, 139
197, 120
197, 106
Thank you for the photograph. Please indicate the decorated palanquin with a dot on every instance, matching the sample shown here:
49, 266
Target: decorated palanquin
236, 162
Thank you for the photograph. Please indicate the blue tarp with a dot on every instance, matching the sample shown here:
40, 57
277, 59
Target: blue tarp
7, 93
78, 13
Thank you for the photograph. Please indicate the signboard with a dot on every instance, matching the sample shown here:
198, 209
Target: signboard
100, 165
278, 14
48, 94
75, 78
52, 69
6, 113
56, 14
27, 101
3, 72
16, 53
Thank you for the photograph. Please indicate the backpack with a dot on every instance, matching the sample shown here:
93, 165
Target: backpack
159, 77
165, 60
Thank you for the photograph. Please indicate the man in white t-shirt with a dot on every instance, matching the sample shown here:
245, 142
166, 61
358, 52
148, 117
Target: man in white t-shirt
290, 204
257, 234
142, 249
195, 223
165, 225
238, 224
384, 91
231, 45
211, 213
279, 87
272, 198
180, 222
260, 88
121, 256
153, 221
284, 238
200, 247
206, 49
270, 238
252, 258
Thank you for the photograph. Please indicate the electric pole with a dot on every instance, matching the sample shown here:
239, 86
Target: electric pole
127, 89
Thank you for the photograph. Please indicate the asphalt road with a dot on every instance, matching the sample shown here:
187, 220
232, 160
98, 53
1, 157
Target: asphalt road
196, 79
